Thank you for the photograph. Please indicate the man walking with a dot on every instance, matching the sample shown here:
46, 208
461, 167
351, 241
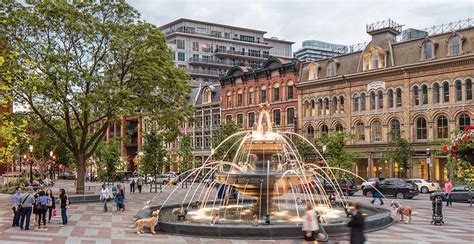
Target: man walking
377, 194
357, 226
15, 207
132, 184
26, 204
448, 188
139, 183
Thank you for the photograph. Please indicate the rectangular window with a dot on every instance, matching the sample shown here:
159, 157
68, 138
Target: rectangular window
290, 92
229, 101
356, 104
250, 98
276, 117
196, 46
207, 120
290, 117
240, 119
206, 47
181, 56
276, 94
251, 120
180, 44
216, 33
263, 96
216, 120
239, 100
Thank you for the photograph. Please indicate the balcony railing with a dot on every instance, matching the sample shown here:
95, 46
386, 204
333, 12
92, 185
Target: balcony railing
205, 72
240, 53
200, 33
222, 62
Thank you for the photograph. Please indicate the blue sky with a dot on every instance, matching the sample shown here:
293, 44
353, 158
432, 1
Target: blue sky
336, 21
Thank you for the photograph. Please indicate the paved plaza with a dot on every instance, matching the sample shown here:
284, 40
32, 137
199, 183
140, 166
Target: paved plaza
88, 224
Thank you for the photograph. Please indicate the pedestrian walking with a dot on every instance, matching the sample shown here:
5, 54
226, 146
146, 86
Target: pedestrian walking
132, 185
310, 224
120, 198
140, 182
357, 226
448, 188
348, 188
15, 207
26, 207
64, 204
42, 203
35, 208
104, 196
377, 194
51, 205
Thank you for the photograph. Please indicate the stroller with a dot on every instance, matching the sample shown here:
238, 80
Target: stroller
437, 217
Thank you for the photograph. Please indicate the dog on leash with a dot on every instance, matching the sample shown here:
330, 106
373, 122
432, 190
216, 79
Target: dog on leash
402, 211
150, 223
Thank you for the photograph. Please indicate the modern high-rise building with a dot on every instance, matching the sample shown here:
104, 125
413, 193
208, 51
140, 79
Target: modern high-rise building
316, 50
207, 50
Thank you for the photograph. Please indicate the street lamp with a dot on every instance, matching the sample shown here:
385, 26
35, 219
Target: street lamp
324, 151
30, 148
428, 161
51, 155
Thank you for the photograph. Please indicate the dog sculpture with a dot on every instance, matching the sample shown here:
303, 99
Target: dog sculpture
195, 204
402, 211
215, 219
180, 213
349, 210
255, 220
150, 223
299, 201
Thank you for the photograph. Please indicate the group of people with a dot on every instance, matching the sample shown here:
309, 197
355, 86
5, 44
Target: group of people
116, 193
41, 203
138, 182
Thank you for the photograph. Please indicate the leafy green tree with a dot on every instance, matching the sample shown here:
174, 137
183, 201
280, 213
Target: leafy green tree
336, 154
305, 150
108, 162
227, 150
401, 151
155, 154
85, 64
185, 152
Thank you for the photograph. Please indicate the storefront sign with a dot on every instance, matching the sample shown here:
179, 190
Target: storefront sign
376, 85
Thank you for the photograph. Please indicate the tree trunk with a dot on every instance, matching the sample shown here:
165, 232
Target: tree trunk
81, 170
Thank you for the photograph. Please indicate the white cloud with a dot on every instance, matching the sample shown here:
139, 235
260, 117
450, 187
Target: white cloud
334, 21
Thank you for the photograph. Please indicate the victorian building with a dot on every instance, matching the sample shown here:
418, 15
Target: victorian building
244, 88
420, 87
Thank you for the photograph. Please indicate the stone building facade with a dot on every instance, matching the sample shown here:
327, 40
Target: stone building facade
243, 89
421, 88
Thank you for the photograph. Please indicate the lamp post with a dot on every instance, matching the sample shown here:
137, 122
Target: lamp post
53, 159
19, 159
324, 151
30, 148
428, 161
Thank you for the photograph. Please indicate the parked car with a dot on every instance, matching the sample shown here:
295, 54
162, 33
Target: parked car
459, 193
328, 187
426, 186
369, 182
163, 179
68, 176
398, 188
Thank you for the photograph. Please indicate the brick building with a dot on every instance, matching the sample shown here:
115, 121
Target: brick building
418, 85
243, 89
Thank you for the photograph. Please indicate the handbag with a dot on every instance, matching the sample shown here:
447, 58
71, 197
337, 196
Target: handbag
54, 213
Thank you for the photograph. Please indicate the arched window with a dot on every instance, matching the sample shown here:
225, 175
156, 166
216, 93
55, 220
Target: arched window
320, 106
356, 103
399, 97
341, 105
251, 120
324, 129
331, 69
455, 45
290, 117
446, 92
428, 50
310, 131
289, 91
362, 102
229, 100
421, 129
372, 101
390, 98
339, 127
380, 100
416, 95
436, 94
464, 121
326, 106
240, 97
376, 131
207, 96
468, 89
312, 71
228, 118
276, 92
442, 127
360, 131
458, 87
394, 129
263, 94
334, 105
424, 92
250, 98
375, 60
313, 108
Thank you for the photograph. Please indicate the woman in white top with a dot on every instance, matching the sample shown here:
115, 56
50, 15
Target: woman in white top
310, 223
104, 196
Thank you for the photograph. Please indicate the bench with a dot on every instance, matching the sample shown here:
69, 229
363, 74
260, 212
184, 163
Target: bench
84, 198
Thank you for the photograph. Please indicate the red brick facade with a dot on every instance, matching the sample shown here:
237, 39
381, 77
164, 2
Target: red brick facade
243, 89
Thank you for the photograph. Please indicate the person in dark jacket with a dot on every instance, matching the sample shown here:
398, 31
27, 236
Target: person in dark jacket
64, 202
377, 194
357, 226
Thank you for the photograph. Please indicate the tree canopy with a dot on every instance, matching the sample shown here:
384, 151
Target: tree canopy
401, 151
336, 154
227, 150
79, 66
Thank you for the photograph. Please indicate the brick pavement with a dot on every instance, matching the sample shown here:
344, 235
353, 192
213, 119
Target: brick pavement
88, 224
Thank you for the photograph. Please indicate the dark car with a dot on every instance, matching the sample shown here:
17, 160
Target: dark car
328, 187
398, 188
460, 193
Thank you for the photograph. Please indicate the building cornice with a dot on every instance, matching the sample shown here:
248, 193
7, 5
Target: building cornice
396, 70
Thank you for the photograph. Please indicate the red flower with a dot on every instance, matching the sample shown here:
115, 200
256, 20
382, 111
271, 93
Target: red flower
456, 147
445, 148
464, 138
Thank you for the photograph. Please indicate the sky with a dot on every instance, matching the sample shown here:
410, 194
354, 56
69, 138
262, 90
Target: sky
336, 21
